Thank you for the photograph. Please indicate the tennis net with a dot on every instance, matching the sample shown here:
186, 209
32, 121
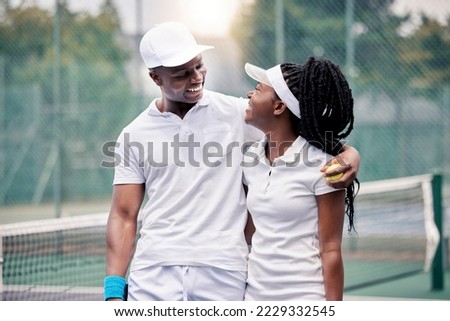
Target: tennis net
396, 235
53, 260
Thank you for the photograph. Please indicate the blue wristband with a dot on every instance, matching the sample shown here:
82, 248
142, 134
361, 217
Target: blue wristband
114, 287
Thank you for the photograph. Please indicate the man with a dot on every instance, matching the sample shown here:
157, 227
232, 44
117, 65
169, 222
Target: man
183, 153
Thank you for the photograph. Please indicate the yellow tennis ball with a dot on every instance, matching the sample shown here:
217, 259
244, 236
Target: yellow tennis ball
334, 177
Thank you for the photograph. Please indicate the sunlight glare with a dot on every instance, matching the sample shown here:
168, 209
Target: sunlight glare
209, 18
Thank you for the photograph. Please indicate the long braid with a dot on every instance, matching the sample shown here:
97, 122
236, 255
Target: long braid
326, 109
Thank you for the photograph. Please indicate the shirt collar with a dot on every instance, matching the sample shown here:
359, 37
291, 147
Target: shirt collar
290, 155
293, 151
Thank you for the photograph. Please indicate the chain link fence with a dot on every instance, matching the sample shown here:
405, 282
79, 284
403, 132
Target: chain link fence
399, 73
64, 93
69, 82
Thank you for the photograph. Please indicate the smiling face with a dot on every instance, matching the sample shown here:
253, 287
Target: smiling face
183, 83
260, 111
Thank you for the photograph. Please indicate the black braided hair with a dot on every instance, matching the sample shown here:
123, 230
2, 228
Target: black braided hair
326, 109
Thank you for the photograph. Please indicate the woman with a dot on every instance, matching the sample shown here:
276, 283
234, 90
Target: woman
305, 111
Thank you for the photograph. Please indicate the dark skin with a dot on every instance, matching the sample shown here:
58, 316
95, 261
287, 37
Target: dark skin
181, 87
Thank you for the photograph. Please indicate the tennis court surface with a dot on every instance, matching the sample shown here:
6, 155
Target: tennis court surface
416, 287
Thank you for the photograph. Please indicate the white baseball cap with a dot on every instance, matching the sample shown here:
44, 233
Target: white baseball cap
273, 77
169, 44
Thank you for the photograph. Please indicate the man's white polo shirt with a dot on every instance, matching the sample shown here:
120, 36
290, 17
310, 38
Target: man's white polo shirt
195, 213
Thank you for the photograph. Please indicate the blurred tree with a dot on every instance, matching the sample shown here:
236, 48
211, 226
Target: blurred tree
255, 32
427, 53
95, 93
25, 33
90, 43
383, 57
318, 29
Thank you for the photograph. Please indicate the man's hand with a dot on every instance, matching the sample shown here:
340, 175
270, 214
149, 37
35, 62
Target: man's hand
348, 162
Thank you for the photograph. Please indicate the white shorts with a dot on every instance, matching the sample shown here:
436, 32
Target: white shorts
186, 283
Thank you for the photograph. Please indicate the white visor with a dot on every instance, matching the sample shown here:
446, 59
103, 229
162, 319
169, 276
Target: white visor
273, 77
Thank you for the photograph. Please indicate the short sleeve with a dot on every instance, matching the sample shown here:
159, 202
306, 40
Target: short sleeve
128, 169
321, 187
